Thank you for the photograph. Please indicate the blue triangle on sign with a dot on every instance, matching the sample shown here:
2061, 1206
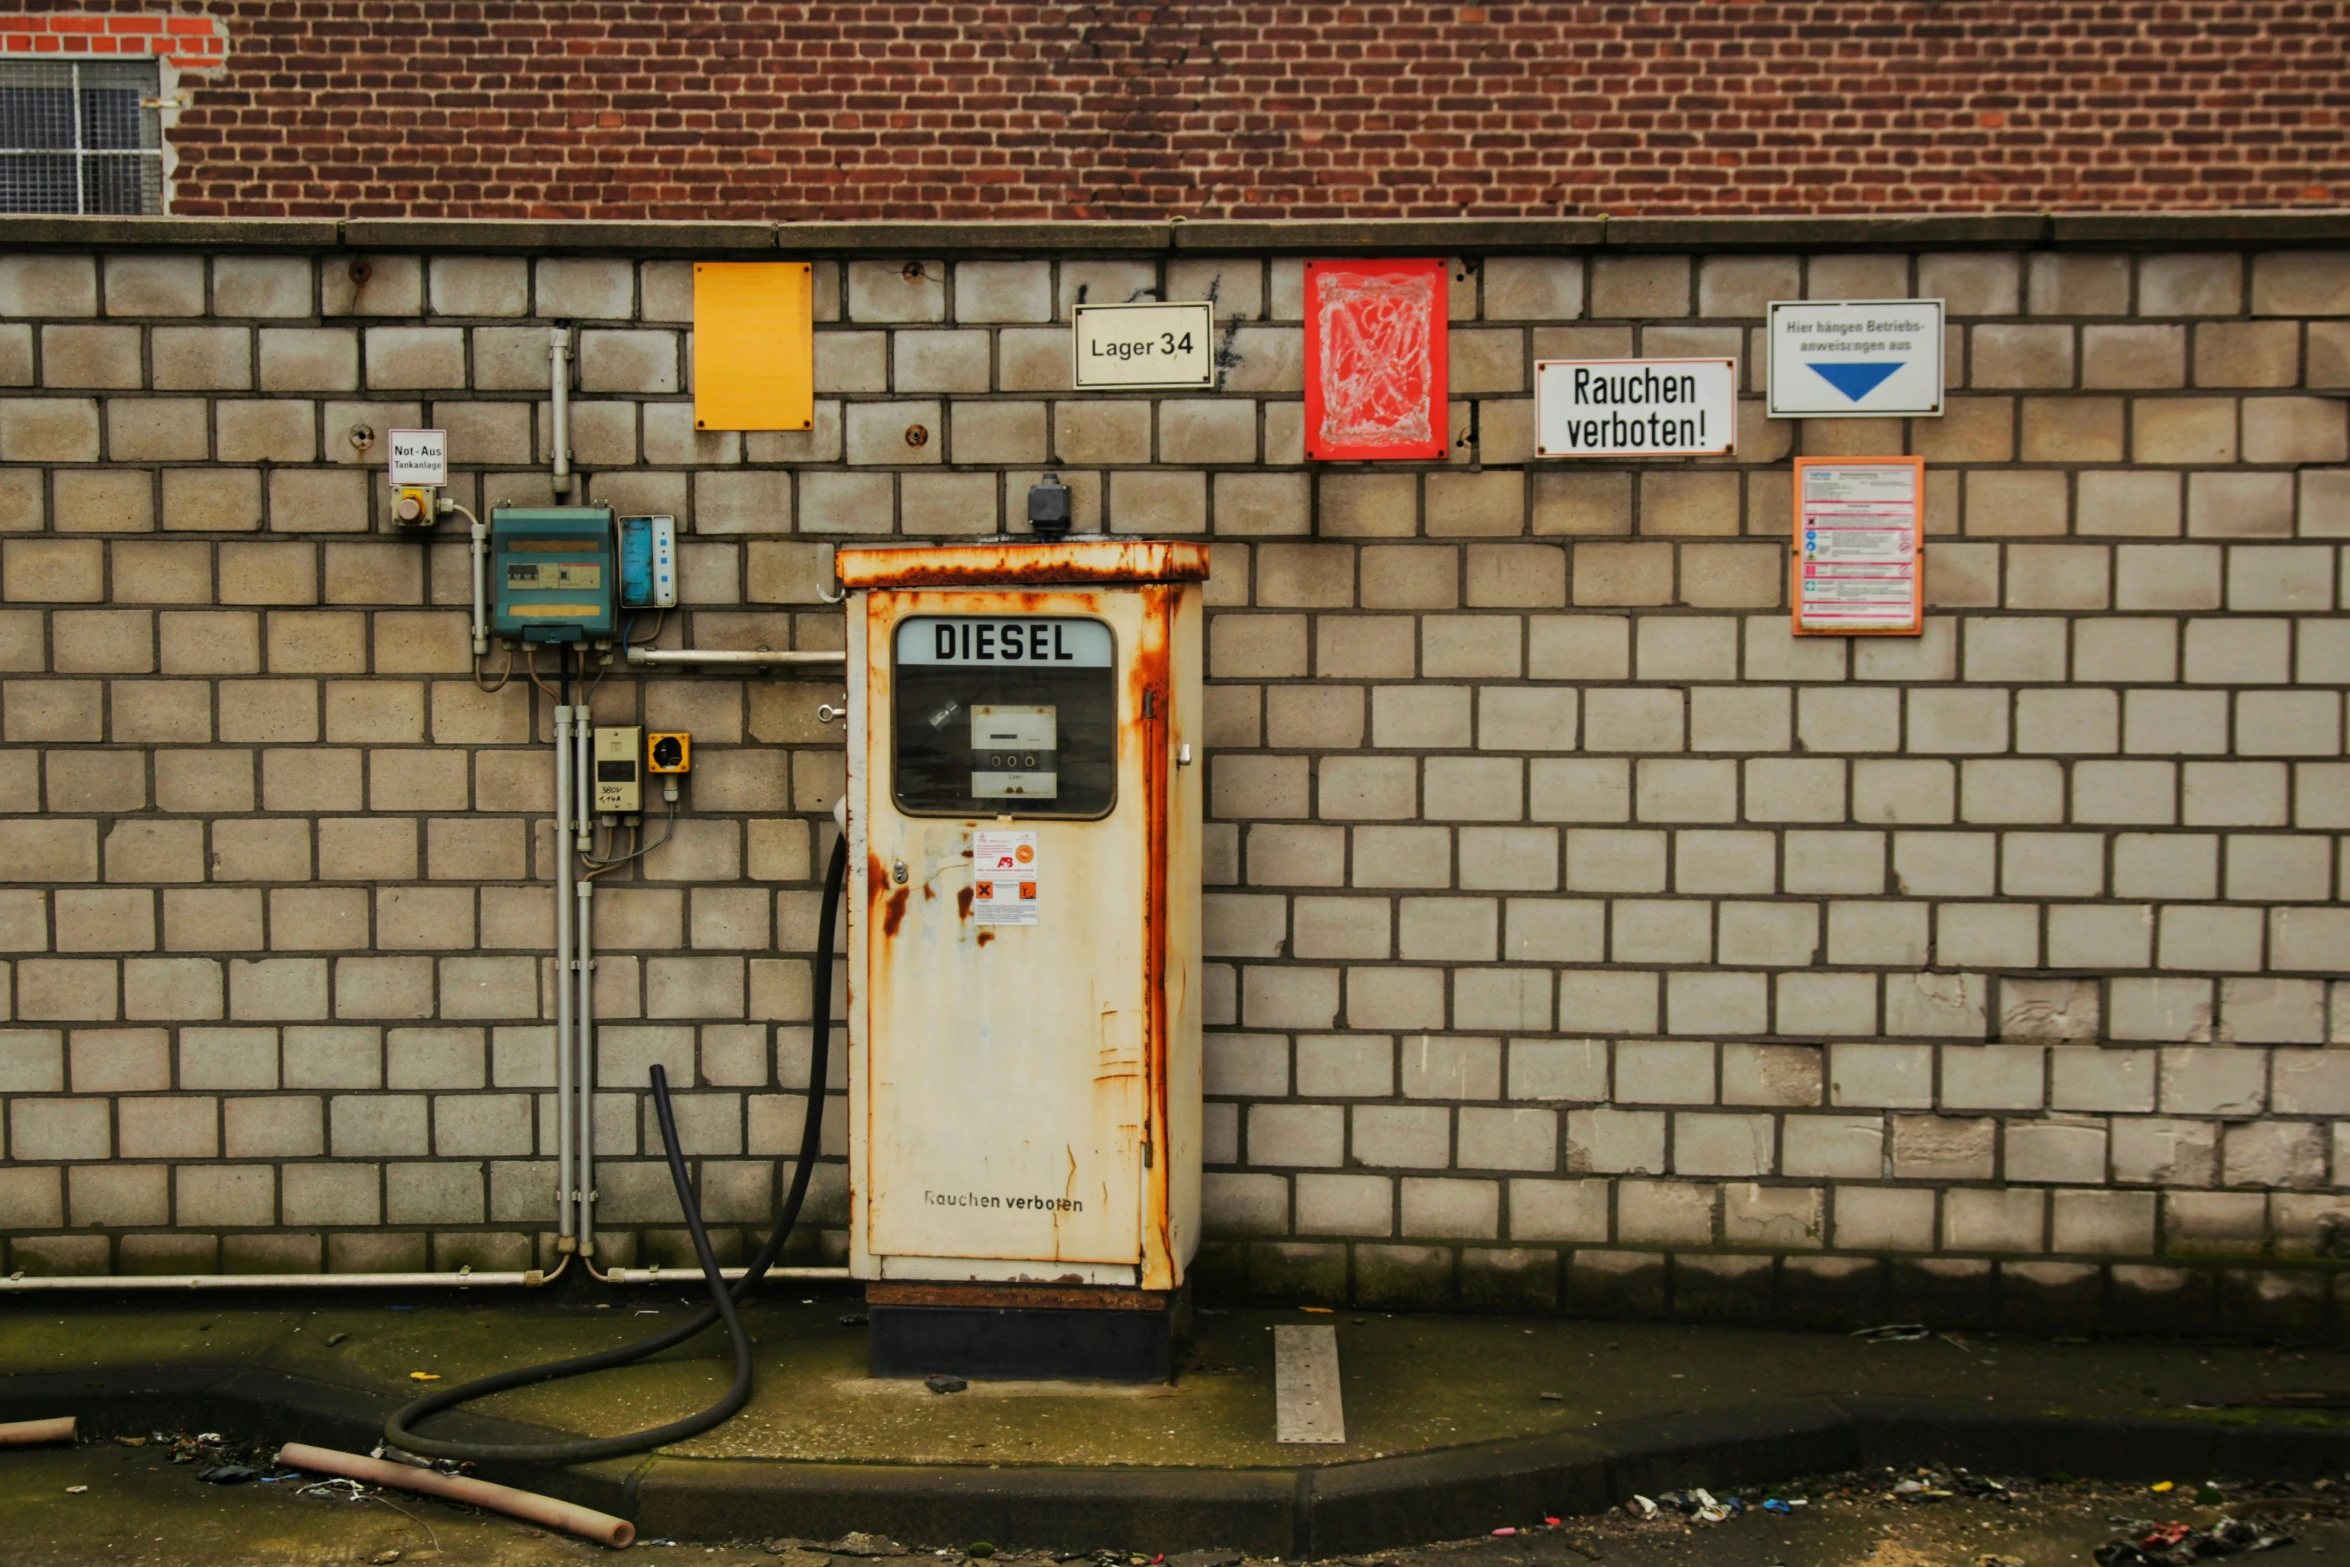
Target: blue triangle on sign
1856, 380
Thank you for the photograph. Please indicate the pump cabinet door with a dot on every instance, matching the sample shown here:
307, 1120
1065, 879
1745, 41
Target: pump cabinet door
1008, 1084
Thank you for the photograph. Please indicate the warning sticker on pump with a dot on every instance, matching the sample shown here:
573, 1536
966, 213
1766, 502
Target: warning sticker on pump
1004, 869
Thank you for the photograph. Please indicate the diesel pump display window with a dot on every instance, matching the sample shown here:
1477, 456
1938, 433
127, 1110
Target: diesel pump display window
1005, 716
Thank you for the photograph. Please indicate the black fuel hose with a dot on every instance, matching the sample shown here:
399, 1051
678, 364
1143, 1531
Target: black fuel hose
399, 1429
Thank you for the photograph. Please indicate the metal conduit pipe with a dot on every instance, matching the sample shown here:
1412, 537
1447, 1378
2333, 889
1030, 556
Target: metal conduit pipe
481, 557
566, 1237
584, 1073
165, 1283
559, 390
663, 655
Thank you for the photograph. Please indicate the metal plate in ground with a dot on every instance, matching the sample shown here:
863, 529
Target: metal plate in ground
1306, 1405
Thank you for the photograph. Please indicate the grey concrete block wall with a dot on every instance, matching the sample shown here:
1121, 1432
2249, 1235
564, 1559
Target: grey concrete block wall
1577, 938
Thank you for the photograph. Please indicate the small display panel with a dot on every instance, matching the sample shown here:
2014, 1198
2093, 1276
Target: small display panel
999, 715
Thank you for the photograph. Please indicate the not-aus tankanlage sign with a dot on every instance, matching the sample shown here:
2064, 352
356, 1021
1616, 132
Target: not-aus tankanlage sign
1636, 407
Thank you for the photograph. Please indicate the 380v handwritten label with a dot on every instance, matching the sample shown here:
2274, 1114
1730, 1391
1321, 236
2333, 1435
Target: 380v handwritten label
1062, 641
1144, 344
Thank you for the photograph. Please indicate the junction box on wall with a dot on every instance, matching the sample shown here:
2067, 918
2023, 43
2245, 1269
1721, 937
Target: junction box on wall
1024, 952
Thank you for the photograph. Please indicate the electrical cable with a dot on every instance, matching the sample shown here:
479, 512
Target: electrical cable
669, 828
504, 676
399, 1429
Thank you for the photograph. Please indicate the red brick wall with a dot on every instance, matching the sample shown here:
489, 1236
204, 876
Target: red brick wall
787, 111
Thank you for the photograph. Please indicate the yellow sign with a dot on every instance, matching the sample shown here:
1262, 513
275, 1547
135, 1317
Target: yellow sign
754, 345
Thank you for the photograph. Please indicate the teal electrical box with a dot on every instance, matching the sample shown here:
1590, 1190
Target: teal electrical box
553, 573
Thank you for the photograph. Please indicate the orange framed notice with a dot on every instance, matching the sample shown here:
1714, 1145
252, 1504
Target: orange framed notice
1857, 566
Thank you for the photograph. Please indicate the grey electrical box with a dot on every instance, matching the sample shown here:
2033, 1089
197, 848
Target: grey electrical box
620, 761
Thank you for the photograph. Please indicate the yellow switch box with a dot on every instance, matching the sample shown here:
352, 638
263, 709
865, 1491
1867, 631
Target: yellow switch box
754, 345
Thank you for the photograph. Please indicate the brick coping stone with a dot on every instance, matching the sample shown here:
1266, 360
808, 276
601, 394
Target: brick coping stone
1472, 236
1304, 1513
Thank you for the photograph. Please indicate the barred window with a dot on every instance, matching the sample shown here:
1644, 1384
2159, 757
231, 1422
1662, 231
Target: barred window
80, 136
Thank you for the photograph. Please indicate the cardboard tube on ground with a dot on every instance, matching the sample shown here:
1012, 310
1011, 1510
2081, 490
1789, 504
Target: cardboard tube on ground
585, 1522
31, 1433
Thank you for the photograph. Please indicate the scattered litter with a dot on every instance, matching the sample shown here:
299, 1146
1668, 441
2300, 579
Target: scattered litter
228, 1474
1641, 1507
1992, 1559
979, 1548
941, 1383
130, 1441
1319, 1311
424, 1376
75, 1490
2178, 1544
858, 1543
332, 1339
1208, 1558
206, 1449
1893, 1333
1554, 1398
1504, 1533
1772, 1504
2160, 1486
855, 1319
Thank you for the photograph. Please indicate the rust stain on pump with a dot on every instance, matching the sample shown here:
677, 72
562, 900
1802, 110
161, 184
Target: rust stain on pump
896, 911
1009, 565
963, 905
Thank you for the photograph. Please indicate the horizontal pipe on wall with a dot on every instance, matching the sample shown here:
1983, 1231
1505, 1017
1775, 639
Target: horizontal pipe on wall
662, 655
161, 1282
679, 1275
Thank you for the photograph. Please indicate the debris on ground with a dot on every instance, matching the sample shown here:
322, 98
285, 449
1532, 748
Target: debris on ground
1893, 1333
943, 1383
858, 1543
799, 1553
2178, 1544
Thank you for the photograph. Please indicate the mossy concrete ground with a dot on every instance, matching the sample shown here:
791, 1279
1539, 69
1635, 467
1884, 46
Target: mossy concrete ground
1455, 1401
137, 1509
1411, 1383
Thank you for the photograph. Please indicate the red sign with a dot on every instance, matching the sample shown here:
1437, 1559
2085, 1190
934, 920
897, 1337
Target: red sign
1375, 360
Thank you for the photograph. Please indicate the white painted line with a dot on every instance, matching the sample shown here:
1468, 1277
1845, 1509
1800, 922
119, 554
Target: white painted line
1306, 1407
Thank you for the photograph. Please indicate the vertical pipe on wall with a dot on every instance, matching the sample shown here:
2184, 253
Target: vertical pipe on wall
583, 796
584, 1072
481, 550
559, 390
565, 1190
